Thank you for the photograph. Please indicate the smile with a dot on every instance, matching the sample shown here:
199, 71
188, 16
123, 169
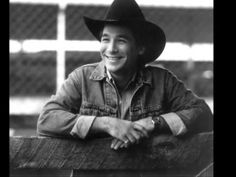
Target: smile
113, 57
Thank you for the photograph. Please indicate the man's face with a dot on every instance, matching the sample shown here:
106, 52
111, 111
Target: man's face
119, 49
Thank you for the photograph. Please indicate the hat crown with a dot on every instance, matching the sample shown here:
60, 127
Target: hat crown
124, 10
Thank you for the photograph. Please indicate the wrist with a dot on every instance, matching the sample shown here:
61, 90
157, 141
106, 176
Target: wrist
110, 124
156, 121
101, 124
107, 124
160, 124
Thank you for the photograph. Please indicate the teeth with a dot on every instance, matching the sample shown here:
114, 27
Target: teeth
113, 58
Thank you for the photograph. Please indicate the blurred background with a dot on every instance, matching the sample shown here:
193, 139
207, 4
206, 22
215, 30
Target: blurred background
48, 40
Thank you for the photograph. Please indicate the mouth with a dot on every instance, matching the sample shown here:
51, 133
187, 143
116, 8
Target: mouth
113, 58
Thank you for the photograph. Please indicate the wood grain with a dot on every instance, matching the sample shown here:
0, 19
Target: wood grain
163, 153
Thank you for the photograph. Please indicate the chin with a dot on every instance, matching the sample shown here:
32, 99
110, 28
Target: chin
114, 67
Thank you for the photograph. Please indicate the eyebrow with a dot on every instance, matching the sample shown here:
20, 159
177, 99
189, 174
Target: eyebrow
120, 36
104, 35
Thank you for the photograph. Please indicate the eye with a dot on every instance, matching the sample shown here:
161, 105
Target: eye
122, 40
104, 39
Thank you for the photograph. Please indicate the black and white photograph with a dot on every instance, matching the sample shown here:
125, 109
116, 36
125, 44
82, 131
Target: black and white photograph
111, 88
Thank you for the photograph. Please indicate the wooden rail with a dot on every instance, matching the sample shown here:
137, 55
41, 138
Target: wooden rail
162, 155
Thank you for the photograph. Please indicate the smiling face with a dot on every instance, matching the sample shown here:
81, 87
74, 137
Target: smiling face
119, 49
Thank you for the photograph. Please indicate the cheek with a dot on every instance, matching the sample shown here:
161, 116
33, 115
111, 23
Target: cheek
132, 52
102, 48
125, 50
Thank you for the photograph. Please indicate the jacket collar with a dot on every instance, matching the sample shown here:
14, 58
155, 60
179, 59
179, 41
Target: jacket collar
144, 75
99, 72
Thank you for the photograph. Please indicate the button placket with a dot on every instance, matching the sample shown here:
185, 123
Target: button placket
112, 96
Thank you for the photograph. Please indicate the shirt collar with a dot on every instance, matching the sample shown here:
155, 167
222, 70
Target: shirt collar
112, 80
108, 74
143, 75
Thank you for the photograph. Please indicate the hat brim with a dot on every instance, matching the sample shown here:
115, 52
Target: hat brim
153, 35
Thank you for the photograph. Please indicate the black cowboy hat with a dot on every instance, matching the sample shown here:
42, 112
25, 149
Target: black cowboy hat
128, 13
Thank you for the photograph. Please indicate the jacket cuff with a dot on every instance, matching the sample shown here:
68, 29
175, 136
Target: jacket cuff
175, 123
82, 126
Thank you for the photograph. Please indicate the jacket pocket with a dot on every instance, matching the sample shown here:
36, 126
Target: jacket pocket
140, 113
97, 110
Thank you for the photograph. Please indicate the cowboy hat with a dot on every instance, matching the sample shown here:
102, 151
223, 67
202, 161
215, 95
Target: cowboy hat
128, 13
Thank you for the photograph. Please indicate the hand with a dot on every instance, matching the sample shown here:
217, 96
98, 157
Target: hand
147, 123
149, 127
116, 144
124, 130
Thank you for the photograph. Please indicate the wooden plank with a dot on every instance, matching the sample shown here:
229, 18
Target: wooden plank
40, 173
165, 154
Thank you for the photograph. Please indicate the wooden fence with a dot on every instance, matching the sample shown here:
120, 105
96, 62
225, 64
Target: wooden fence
162, 155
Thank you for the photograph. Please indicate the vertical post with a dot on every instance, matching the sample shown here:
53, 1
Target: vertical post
61, 26
191, 77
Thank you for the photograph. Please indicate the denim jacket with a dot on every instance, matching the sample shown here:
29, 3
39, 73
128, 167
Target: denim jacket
87, 93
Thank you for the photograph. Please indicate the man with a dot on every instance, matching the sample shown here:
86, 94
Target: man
121, 96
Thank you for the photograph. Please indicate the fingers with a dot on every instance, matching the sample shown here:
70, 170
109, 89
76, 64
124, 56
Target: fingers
131, 137
135, 134
126, 130
141, 129
113, 143
125, 145
116, 143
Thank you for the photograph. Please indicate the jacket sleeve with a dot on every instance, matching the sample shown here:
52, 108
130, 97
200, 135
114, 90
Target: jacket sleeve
59, 117
186, 111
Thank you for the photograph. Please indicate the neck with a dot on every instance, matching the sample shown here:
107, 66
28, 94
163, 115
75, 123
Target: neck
122, 80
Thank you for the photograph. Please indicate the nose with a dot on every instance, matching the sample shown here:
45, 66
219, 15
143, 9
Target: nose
112, 47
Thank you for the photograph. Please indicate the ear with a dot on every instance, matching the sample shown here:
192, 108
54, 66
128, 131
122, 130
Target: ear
141, 50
